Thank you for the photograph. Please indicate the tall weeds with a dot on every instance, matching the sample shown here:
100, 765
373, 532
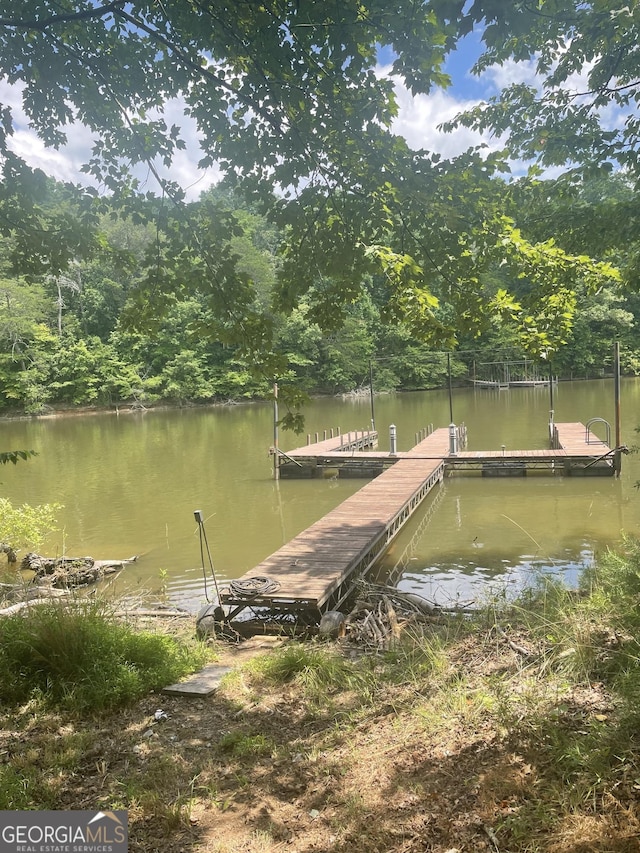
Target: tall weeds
81, 658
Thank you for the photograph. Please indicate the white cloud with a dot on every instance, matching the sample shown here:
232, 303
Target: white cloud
420, 116
64, 163
498, 77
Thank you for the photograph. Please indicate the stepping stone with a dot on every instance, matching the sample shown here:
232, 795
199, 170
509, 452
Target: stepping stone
202, 683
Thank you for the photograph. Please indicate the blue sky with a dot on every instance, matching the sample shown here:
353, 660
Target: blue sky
457, 65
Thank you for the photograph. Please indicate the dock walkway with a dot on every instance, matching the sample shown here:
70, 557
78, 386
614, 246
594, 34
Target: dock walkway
314, 572
576, 452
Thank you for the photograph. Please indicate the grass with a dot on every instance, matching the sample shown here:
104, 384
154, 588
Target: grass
313, 668
462, 733
246, 745
79, 658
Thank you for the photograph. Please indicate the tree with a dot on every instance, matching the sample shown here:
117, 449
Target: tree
581, 108
285, 95
24, 526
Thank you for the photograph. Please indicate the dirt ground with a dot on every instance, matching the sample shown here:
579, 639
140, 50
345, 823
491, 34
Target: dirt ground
258, 769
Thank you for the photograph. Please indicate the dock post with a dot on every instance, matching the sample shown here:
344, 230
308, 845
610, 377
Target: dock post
373, 414
453, 439
616, 399
276, 457
393, 440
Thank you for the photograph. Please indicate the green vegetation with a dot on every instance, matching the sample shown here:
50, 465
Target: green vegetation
81, 347
330, 241
75, 655
517, 726
330, 247
25, 526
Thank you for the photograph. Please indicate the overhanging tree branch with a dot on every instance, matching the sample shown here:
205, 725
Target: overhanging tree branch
56, 20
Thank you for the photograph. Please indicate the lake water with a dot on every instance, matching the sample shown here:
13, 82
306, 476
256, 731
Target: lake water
129, 484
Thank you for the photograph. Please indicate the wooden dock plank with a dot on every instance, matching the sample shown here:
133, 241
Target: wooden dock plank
336, 444
573, 439
313, 565
316, 561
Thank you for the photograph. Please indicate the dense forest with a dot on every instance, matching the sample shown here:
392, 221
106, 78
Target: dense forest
72, 338
331, 250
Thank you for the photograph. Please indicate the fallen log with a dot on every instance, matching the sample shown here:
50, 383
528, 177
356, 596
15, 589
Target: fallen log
65, 572
32, 602
80, 602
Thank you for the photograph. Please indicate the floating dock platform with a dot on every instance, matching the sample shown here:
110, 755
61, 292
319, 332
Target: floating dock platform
315, 571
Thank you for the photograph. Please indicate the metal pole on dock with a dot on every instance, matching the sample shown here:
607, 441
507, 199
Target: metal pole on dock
393, 440
616, 396
450, 388
373, 414
453, 439
276, 456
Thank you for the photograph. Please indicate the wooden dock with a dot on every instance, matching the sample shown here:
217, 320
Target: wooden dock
576, 452
344, 448
314, 572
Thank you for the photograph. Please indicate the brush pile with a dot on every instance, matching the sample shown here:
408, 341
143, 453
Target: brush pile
382, 613
67, 572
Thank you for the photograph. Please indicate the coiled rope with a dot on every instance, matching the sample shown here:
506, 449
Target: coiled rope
252, 587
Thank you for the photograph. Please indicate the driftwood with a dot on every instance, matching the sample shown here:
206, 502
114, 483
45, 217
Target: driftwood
382, 613
31, 602
173, 614
67, 572
517, 647
71, 602
375, 625
409, 602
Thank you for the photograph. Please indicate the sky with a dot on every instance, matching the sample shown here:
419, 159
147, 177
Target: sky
418, 121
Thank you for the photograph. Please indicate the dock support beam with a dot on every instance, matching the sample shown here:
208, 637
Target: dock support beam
276, 455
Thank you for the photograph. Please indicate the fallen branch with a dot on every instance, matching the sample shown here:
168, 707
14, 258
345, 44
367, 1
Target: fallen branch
181, 614
65, 572
33, 602
521, 650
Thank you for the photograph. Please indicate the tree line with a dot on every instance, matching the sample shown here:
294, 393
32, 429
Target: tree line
76, 337
331, 243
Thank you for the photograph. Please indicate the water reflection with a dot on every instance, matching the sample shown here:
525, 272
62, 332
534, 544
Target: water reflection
130, 484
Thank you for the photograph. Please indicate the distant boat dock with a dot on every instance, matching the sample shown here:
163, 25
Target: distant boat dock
315, 571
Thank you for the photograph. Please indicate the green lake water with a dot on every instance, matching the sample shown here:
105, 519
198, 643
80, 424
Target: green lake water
129, 484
